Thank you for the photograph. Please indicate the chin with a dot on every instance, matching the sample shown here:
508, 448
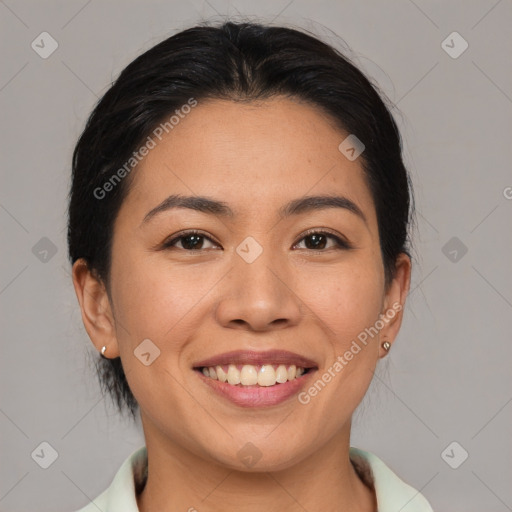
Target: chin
259, 455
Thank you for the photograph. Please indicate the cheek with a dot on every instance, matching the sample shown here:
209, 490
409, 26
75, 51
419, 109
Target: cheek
347, 299
348, 302
152, 298
156, 302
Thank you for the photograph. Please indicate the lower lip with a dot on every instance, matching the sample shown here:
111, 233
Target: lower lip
257, 396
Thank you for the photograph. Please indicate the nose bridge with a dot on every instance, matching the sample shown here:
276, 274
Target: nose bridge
258, 268
258, 294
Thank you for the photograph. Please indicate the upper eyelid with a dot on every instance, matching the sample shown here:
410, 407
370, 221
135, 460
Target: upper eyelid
324, 231
190, 232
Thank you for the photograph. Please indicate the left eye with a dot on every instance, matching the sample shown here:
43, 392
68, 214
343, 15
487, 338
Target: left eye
318, 240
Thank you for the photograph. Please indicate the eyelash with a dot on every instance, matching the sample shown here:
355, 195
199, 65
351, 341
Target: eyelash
340, 243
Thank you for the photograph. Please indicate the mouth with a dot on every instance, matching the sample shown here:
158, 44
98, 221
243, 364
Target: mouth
249, 375
252, 379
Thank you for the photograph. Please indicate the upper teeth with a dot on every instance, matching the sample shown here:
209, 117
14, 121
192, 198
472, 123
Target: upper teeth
249, 375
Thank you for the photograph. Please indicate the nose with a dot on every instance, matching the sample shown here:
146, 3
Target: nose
259, 296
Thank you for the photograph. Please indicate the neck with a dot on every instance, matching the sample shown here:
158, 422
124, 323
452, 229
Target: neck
180, 480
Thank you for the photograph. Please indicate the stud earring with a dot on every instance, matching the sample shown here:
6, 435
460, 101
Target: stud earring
103, 350
386, 346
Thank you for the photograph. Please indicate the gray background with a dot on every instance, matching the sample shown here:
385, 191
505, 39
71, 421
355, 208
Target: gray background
448, 376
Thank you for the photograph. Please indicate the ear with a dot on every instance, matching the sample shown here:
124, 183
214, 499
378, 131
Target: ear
394, 301
97, 314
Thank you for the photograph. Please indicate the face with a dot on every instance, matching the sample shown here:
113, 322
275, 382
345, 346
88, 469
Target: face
255, 277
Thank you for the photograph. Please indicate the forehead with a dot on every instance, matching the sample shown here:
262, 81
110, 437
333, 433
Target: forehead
249, 154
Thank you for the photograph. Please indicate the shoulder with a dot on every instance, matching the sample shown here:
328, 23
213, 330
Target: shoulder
392, 492
99, 503
120, 496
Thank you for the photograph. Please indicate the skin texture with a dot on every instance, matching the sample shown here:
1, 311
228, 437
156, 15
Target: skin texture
194, 305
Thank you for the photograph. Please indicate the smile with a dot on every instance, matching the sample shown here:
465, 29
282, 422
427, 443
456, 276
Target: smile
251, 375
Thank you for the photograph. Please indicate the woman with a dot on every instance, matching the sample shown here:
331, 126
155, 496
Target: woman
238, 229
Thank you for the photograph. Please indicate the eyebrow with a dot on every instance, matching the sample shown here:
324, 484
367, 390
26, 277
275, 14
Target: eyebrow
298, 206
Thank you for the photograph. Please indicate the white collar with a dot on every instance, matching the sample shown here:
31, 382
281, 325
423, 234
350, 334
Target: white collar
393, 494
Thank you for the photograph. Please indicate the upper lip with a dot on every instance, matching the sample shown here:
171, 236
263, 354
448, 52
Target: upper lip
257, 358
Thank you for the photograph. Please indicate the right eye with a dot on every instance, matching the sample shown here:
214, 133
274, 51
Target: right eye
191, 240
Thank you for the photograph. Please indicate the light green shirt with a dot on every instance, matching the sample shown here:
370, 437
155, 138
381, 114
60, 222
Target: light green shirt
393, 495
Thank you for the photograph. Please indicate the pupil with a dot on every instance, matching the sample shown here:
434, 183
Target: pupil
316, 244
193, 244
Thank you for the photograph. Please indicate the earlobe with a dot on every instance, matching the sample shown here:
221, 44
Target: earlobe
394, 303
95, 307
